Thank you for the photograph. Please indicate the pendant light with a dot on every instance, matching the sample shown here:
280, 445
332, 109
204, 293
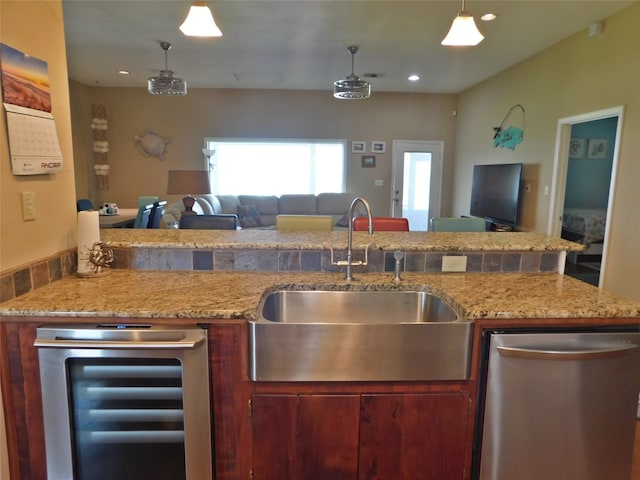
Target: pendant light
166, 83
463, 31
200, 22
352, 87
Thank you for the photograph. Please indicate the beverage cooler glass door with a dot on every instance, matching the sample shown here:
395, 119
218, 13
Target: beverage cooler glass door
125, 402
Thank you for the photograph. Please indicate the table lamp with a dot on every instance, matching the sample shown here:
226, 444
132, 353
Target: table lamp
188, 182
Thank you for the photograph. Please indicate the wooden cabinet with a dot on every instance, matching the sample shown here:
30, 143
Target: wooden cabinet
305, 436
337, 430
411, 436
365, 437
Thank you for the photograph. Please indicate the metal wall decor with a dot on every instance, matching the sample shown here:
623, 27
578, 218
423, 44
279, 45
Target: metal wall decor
510, 136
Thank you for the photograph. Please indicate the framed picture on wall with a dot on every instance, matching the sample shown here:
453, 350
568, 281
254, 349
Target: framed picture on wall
377, 146
358, 147
597, 148
577, 148
368, 161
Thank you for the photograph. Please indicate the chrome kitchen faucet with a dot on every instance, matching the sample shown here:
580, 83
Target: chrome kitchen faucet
349, 263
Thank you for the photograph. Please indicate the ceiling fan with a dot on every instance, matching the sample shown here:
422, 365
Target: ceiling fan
166, 83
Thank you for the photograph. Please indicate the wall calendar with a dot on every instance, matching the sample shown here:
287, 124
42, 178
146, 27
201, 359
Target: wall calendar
33, 140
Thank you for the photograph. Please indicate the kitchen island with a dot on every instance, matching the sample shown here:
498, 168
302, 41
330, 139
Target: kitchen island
251, 419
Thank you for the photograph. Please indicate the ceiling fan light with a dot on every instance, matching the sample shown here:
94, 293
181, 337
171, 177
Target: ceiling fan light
463, 32
200, 22
352, 87
166, 83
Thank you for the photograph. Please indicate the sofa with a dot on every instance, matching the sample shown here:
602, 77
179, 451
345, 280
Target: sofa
261, 211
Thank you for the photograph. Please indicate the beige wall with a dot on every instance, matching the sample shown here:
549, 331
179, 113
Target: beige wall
53, 230
577, 76
251, 114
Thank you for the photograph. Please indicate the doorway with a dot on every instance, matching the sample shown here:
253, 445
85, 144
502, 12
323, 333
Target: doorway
584, 188
416, 181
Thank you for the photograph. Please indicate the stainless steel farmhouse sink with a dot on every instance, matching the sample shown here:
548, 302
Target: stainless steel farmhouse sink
358, 335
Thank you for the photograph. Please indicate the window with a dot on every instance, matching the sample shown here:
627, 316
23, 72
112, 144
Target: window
276, 167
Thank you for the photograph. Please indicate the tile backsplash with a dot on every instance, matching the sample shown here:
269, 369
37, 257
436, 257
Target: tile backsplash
285, 260
30, 277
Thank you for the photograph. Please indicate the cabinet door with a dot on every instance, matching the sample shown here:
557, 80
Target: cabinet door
305, 437
413, 436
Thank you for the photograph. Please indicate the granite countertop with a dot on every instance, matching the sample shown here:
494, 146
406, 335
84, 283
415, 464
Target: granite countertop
272, 239
217, 295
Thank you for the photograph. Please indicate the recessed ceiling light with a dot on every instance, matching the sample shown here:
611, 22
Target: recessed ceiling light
413, 78
124, 72
487, 17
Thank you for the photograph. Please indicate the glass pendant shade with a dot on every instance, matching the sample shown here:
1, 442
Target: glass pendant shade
200, 22
166, 83
352, 87
463, 31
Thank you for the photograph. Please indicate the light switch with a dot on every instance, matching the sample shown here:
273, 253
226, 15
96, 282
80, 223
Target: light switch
28, 206
378, 182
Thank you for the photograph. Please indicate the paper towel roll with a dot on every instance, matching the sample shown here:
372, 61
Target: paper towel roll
88, 234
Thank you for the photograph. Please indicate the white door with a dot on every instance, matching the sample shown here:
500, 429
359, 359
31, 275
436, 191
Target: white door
416, 181
559, 181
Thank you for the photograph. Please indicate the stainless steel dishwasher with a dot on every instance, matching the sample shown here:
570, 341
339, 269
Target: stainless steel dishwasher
559, 406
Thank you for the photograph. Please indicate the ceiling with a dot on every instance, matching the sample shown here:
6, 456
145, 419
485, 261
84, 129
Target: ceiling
302, 44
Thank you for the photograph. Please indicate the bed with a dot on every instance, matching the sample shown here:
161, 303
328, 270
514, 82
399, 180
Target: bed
586, 226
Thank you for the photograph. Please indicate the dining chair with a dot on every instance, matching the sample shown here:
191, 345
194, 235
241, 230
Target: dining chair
84, 204
155, 216
461, 224
210, 222
382, 224
142, 218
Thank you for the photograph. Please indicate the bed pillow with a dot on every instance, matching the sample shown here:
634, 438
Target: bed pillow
249, 216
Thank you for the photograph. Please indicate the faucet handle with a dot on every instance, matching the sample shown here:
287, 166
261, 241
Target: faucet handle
398, 255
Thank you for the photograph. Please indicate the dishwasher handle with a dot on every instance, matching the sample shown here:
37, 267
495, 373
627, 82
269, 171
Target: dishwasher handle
184, 344
568, 355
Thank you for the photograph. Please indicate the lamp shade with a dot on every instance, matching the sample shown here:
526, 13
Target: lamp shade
188, 182
463, 32
200, 22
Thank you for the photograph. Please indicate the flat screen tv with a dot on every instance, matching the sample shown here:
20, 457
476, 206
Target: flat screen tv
495, 192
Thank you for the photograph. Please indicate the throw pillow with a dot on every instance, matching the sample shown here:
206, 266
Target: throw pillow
249, 216
344, 220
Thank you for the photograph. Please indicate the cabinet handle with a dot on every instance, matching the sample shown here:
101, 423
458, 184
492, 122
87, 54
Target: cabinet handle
145, 345
588, 354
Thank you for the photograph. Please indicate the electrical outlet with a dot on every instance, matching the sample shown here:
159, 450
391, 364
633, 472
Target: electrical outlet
28, 206
454, 263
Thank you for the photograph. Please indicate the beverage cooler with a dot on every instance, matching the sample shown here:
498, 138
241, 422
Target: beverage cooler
125, 402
